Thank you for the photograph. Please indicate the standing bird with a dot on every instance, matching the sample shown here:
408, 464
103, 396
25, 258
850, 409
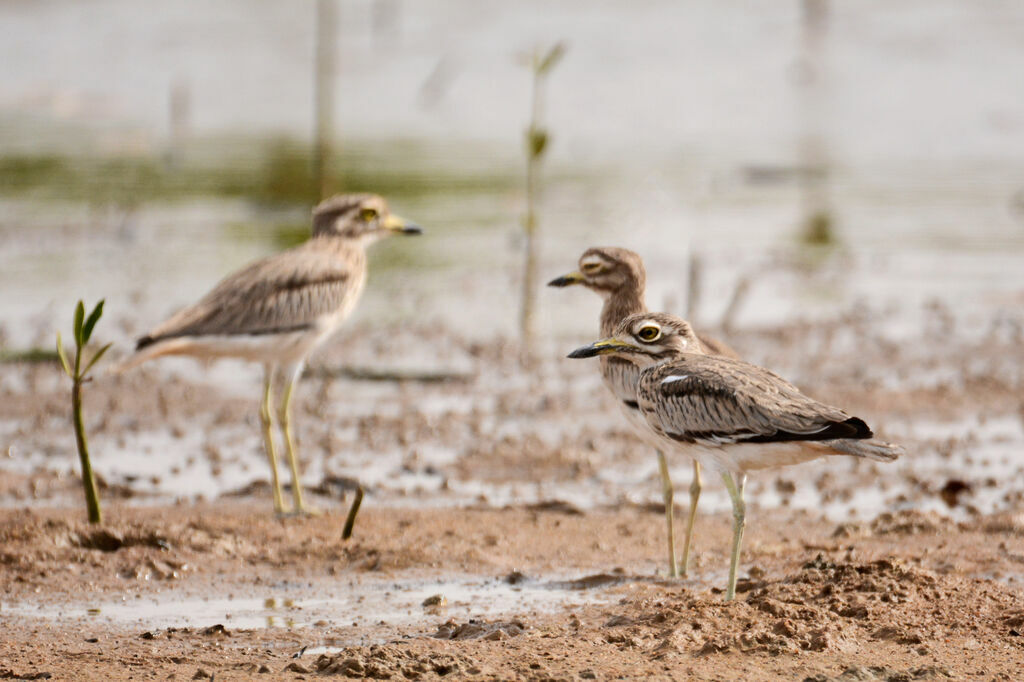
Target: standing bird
278, 309
732, 416
619, 277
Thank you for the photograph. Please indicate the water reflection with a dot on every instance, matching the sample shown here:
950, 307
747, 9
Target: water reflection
397, 601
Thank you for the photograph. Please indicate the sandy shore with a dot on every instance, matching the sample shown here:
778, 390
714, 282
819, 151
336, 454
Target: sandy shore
576, 596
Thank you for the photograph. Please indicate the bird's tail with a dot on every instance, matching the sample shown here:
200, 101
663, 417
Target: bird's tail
868, 448
144, 352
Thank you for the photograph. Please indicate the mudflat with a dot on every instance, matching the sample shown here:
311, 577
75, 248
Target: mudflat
225, 591
513, 527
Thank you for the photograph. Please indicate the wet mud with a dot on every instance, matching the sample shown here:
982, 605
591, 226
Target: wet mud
512, 528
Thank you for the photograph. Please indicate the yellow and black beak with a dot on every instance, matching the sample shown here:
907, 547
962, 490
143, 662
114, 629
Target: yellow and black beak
603, 347
575, 277
398, 225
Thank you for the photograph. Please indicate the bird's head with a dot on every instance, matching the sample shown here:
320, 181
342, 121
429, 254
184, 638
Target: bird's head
646, 339
361, 217
606, 270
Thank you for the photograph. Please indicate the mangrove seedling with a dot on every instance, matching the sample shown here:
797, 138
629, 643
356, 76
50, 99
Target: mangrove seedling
537, 139
79, 374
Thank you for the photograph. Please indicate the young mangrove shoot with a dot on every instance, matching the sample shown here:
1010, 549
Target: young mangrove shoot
79, 374
541, 63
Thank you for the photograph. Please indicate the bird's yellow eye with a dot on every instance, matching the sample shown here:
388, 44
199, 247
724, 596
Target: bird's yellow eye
649, 333
368, 214
591, 268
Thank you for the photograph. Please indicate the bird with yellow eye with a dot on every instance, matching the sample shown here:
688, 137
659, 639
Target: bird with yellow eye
619, 277
731, 416
277, 310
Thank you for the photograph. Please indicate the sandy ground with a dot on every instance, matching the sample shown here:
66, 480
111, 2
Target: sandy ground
903, 597
513, 527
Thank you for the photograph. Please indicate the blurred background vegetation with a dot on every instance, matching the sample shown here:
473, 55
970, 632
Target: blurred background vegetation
810, 155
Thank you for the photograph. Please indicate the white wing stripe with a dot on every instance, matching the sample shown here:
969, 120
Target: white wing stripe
673, 378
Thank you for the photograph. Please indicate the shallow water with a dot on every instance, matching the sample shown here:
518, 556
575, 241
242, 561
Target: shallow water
337, 604
924, 187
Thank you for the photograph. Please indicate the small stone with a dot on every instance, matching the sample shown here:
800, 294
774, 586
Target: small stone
217, 629
515, 577
435, 601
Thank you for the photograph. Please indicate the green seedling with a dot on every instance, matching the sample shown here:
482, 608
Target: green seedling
537, 138
79, 374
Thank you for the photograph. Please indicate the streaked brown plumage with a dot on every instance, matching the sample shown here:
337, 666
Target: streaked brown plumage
733, 416
295, 291
619, 277
278, 309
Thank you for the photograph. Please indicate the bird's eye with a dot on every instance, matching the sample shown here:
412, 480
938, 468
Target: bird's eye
591, 268
649, 333
368, 214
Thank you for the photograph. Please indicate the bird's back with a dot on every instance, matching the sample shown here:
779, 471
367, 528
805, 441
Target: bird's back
725, 407
305, 291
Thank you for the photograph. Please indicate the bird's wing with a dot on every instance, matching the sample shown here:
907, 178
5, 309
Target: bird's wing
289, 291
717, 401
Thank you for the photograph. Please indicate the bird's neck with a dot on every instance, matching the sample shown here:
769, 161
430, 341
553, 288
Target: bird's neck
622, 303
343, 246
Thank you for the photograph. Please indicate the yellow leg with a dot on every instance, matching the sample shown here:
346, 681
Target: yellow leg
284, 416
670, 509
739, 513
267, 421
695, 487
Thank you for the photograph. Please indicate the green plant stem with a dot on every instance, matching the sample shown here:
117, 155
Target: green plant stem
530, 257
92, 498
350, 521
526, 318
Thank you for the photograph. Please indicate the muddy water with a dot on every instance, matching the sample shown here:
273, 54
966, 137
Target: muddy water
358, 601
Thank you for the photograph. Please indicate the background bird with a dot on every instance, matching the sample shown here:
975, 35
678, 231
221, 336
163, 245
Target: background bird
732, 416
619, 277
277, 310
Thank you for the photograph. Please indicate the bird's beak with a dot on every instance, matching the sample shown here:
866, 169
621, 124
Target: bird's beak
603, 347
567, 280
393, 223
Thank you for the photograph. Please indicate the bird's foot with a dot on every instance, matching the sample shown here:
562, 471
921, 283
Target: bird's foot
302, 510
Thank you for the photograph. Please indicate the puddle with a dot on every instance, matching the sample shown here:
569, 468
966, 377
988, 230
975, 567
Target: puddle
358, 603
984, 453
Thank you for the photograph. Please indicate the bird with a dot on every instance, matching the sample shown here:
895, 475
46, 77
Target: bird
619, 277
732, 416
276, 310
